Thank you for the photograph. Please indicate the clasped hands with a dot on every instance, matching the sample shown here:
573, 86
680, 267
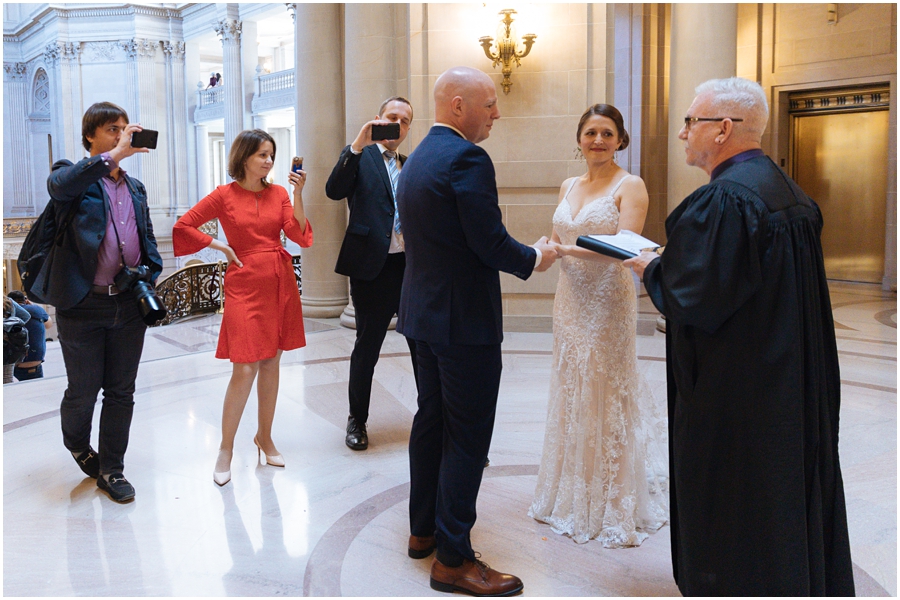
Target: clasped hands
549, 253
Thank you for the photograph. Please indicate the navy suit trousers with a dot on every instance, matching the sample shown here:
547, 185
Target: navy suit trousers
449, 442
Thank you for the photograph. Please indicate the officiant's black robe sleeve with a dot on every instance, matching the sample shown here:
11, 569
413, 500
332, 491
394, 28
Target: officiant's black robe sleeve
754, 391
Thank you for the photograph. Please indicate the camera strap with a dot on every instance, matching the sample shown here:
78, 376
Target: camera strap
118, 240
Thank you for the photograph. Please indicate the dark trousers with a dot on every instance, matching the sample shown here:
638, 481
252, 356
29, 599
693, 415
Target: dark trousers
101, 339
449, 442
375, 303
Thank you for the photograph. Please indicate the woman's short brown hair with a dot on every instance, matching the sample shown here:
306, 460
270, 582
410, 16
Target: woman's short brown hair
611, 112
98, 115
243, 147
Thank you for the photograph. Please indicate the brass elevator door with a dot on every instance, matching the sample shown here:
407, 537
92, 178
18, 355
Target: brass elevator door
840, 161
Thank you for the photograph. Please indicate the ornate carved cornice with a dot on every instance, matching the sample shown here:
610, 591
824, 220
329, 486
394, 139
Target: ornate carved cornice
62, 51
229, 30
173, 50
139, 48
97, 12
117, 11
101, 51
14, 71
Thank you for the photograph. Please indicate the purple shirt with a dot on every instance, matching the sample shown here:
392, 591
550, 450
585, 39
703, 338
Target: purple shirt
121, 216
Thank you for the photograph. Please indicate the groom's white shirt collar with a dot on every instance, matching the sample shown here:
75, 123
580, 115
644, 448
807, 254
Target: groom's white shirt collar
436, 124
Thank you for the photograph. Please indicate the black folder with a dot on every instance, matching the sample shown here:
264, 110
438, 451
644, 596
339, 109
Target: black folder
603, 248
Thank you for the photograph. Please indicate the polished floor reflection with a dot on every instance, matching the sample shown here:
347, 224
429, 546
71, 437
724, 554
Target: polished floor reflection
334, 521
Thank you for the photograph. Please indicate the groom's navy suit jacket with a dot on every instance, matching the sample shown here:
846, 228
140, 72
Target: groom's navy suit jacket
456, 244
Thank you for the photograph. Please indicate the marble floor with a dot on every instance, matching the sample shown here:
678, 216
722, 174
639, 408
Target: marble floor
334, 521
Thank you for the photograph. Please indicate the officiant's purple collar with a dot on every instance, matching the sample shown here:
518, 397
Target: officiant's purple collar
737, 158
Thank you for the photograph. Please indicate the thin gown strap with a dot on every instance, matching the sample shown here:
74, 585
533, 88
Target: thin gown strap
571, 185
621, 181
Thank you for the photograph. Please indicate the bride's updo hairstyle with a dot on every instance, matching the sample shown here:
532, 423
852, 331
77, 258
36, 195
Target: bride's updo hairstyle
605, 110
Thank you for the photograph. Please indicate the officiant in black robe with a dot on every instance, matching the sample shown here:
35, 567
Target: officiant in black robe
757, 500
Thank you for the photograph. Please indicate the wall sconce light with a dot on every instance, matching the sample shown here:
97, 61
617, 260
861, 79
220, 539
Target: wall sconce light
506, 50
832, 14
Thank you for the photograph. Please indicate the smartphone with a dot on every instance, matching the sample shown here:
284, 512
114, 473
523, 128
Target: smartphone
385, 131
297, 164
144, 139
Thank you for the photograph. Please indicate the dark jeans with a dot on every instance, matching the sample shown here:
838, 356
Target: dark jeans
449, 442
101, 339
23, 374
375, 303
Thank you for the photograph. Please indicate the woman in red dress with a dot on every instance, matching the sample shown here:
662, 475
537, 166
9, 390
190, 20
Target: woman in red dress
263, 316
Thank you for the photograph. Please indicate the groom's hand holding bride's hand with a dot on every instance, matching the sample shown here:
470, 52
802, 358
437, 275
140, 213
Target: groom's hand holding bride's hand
548, 254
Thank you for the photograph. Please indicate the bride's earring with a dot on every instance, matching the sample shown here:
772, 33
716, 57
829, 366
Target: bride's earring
579, 155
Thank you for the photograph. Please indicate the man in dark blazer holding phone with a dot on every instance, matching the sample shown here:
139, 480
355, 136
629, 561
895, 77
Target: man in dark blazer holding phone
372, 254
456, 245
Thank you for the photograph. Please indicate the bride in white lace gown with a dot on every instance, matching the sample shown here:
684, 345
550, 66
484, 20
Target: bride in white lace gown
603, 472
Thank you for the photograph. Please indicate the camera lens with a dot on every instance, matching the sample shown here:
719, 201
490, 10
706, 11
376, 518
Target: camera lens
150, 306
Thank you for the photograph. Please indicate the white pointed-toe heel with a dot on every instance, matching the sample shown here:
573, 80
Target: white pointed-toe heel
273, 460
222, 477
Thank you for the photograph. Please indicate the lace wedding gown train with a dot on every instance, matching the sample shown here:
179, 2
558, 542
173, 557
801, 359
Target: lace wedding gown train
603, 472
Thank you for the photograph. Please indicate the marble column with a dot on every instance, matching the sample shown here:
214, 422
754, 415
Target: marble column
201, 136
17, 164
142, 85
196, 185
179, 201
249, 64
369, 76
229, 31
65, 88
704, 46
320, 138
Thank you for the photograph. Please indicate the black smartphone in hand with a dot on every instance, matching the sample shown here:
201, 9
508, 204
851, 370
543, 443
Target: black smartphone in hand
385, 131
145, 138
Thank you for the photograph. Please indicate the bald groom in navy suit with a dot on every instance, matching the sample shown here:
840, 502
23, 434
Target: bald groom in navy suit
456, 245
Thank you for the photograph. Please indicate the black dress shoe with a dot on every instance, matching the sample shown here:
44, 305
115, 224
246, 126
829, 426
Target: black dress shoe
117, 487
89, 463
356, 439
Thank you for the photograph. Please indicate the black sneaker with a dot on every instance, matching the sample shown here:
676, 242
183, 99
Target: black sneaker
89, 463
117, 487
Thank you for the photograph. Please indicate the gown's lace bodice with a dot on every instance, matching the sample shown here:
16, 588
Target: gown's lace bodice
597, 479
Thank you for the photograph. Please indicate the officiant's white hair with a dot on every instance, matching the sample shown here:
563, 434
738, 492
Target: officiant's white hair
738, 97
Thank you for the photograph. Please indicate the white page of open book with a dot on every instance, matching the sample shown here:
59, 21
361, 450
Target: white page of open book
627, 240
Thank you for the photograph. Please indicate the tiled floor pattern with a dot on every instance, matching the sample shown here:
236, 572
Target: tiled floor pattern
334, 522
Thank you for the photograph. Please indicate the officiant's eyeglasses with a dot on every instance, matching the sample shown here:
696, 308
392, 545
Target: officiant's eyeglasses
688, 121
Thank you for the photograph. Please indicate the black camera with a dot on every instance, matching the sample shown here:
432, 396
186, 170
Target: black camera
137, 280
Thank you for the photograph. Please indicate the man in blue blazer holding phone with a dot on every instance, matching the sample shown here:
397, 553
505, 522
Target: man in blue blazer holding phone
372, 254
456, 245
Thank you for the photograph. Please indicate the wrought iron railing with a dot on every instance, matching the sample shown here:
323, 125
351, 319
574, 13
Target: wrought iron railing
197, 290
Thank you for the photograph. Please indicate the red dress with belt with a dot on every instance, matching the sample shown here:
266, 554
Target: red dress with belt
262, 305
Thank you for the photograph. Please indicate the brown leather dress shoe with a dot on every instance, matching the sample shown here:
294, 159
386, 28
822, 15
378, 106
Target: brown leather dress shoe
473, 578
420, 547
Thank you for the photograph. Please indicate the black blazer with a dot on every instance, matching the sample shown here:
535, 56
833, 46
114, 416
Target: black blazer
71, 274
456, 244
364, 181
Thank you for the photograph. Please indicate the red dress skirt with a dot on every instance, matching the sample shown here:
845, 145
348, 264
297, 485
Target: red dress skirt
262, 305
